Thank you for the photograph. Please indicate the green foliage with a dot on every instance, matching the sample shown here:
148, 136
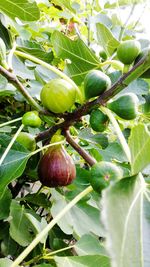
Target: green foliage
102, 217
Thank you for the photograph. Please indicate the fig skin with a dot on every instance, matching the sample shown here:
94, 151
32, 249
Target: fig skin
56, 167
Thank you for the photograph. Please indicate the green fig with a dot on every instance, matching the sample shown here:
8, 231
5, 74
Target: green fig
102, 174
128, 50
95, 83
98, 120
125, 106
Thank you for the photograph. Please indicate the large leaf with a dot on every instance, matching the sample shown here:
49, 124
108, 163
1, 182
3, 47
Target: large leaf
106, 38
83, 261
23, 224
126, 218
82, 59
14, 163
81, 219
139, 142
22, 9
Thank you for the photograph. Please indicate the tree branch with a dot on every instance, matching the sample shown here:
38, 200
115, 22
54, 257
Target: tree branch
14, 80
135, 72
90, 160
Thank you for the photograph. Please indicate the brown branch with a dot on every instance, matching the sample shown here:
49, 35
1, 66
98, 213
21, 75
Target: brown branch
90, 160
85, 109
14, 80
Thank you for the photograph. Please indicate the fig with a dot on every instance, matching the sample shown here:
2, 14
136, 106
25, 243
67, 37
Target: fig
58, 95
102, 174
95, 83
27, 140
56, 167
125, 106
98, 120
128, 50
32, 119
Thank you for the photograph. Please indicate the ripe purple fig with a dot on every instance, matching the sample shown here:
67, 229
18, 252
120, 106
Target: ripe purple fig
56, 167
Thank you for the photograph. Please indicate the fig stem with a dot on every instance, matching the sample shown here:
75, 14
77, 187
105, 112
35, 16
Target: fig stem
10, 122
90, 160
118, 132
42, 234
52, 68
10, 144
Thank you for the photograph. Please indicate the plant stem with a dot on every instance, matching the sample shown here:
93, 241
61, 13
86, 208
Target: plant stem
10, 122
10, 57
10, 144
52, 68
42, 234
90, 160
59, 250
14, 80
118, 132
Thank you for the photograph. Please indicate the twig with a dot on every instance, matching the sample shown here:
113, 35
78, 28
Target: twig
90, 160
14, 80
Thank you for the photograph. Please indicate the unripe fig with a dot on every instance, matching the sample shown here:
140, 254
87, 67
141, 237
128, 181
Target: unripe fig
56, 167
128, 50
95, 83
98, 120
125, 106
27, 140
32, 119
58, 95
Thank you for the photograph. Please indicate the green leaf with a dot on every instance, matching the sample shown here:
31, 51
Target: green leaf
83, 261
82, 59
35, 49
139, 143
5, 201
5, 262
64, 4
81, 219
125, 215
22, 9
14, 164
106, 38
24, 225
89, 245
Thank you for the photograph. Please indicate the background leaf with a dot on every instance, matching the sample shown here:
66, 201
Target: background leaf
139, 143
22, 9
106, 38
5, 201
5, 262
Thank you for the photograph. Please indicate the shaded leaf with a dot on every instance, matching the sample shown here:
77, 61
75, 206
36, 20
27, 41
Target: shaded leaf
64, 3
24, 224
14, 163
5, 201
89, 245
139, 143
23, 9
